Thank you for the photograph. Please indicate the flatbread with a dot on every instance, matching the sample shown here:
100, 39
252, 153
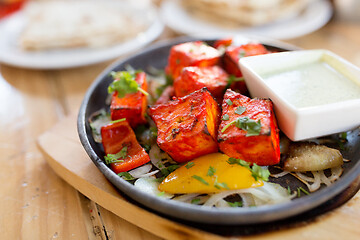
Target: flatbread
237, 13
69, 24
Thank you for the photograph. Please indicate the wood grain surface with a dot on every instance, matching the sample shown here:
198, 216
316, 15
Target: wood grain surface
38, 204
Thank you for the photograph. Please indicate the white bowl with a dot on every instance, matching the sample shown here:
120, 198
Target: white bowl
315, 92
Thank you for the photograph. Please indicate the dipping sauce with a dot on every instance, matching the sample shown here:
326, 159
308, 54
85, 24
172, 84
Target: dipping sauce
312, 84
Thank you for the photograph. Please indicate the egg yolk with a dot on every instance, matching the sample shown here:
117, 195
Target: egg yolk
209, 174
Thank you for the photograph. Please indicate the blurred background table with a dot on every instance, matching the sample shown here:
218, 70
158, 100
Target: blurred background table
35, 202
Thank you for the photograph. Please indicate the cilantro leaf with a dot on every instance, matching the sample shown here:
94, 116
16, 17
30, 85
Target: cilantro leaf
229, 102
220, 185
235, 204
124, 83
240, 110
242, 53
256, 171
239, 162
189, 165
167, 170
300, 189
160, 194
127, 176
260, 173
233, 79
118, 120
115, 158
211, 171
200, 179
195, 201
251, 126
225, 117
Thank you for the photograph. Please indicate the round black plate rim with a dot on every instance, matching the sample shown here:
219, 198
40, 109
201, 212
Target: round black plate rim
225, 216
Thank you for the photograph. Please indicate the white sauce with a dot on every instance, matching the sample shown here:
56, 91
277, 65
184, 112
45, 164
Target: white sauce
312, 84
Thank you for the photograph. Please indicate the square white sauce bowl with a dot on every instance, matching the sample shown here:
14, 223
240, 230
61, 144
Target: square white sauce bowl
315, 92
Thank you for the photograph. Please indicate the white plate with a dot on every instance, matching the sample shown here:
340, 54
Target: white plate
10, 53
316, 15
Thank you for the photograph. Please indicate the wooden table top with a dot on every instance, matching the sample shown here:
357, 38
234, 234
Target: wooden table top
35, 202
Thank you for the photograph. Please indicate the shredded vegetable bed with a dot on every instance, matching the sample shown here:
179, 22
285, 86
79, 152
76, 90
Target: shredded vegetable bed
147, 177
207, 178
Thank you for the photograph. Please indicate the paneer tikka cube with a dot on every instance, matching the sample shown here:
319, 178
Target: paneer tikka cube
120, 136
248, 129
196, 53
214, 78
187, 126
132, 106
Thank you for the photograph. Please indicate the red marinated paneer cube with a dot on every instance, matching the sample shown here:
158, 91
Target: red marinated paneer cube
214, 78
166, 95
187, 127
248, 129
119, 137
133, 105
231, 61
190, 54
223, 43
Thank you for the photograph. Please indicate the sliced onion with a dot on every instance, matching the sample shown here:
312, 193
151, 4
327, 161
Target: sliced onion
304, 177
186, 197
96, 121
158, 158
247, 199
324, 179
138, 172
150, 186
270, 193
335, 173
280, 174
218, 196
222, 203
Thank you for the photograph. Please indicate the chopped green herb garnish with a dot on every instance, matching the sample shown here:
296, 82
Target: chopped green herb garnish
160, 194
172, 168
242, 53
166, 171
229, 102
118, 157
233, 79
211, 171
239, 162
195, 201
251, 126
177, 61
225, 117
189, 165
168, 82
260, 173
343, 136
147, 147
256, 171
200, 179
289, 190
240, 110
153, 132
127, 176
235, 204
124, 83
220, 185
119, 120
300, 189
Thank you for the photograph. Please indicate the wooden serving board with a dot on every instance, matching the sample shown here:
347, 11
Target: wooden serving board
65, 154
